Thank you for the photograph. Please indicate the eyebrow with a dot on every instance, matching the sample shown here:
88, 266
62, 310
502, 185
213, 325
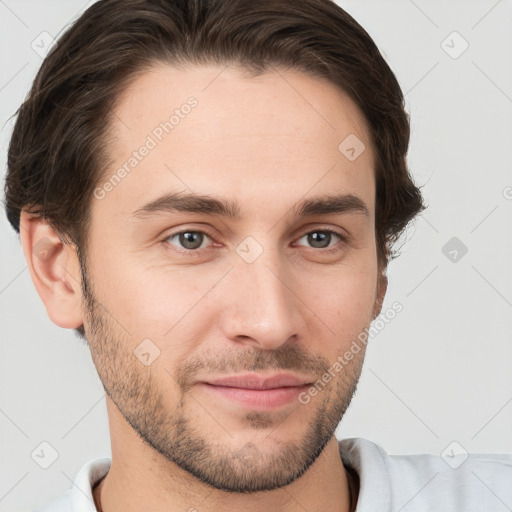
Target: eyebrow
198, 203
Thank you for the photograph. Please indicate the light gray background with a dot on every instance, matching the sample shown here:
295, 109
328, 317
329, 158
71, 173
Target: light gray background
438, 373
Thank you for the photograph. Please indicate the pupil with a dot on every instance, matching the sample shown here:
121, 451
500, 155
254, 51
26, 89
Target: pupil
318, 238
192, 240
187, 240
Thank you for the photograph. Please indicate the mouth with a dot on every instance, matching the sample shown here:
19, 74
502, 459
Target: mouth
255, 391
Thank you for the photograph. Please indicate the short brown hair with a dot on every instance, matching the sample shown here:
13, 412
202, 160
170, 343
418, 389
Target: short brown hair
59, 144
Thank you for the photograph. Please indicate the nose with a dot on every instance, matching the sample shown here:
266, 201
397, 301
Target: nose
262, 309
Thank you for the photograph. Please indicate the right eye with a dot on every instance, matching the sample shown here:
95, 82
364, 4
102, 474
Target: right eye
189, 240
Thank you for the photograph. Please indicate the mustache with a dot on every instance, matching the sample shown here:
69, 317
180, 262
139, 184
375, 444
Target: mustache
286, 357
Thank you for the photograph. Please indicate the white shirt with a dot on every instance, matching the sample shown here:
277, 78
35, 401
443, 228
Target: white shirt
388, 483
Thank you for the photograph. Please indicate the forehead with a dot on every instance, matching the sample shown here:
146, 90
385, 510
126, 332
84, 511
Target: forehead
216, 130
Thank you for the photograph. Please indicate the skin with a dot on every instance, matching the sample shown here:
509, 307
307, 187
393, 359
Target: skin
267, 142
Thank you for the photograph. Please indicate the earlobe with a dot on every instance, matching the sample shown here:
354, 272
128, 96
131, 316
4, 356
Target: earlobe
54, 270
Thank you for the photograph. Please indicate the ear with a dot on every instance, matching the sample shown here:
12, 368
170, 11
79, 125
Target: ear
55, 270
382, 286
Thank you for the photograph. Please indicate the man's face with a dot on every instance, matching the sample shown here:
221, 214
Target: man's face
265, 293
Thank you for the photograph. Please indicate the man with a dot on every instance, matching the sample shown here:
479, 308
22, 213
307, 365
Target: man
208, 192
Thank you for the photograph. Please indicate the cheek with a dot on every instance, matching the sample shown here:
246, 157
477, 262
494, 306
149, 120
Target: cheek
344, 302
161, 304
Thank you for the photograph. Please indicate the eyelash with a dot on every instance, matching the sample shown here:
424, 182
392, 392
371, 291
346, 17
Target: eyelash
343, 239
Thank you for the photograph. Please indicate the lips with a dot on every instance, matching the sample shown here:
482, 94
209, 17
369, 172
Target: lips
260, 382
257, 391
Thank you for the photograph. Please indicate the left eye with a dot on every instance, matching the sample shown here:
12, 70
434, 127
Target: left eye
321, 239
